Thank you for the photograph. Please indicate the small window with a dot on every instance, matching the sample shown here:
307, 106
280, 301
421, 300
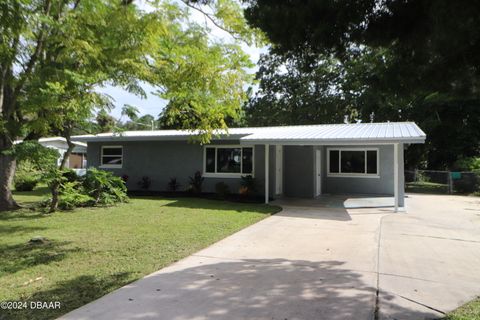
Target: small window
353, 162
112, 157
210, 160
247, 161
334, 161
372, 166
226, 161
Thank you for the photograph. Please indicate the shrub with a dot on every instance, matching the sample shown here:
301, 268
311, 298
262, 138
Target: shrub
196, 182
70, 175
173, 184
25, 183
145, 183
467, 164
248, 185
72, 195
222, 190
104, 188
26, 177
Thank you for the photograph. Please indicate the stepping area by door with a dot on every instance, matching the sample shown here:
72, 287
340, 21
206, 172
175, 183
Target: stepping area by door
319, 262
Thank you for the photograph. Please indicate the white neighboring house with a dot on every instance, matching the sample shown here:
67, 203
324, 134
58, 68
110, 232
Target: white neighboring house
78, 158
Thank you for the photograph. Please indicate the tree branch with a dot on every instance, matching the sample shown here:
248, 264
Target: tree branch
34, 57
209, 17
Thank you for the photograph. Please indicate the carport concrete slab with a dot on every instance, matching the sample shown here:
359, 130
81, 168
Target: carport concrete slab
319, 263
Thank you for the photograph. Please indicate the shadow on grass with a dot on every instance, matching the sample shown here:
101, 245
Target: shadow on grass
71, 294
14, 258
213, 204
5, 230
22, 214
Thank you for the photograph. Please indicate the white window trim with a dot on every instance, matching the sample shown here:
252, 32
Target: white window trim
352, 175
227, 174
114, 166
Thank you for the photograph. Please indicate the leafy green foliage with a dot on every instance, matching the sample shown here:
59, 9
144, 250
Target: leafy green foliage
468, 164
145, 183
173, 184
104, 188
248, 186
97, 187
33, 161
196, 182
203, 82
386, 61
56, 54
73, 195
24, 182
33, 155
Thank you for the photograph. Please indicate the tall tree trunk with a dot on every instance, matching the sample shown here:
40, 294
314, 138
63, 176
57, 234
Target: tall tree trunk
7, 171
55, 188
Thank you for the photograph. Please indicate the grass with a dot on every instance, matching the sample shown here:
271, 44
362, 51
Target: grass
426, 187
469, 311
95, 251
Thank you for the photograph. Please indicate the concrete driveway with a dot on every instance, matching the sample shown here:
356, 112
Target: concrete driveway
319, 263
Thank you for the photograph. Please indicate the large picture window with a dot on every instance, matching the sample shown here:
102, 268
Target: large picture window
353, 162
112, 157
228, 161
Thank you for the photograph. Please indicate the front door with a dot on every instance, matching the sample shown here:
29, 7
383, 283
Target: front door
318, 172
278, 169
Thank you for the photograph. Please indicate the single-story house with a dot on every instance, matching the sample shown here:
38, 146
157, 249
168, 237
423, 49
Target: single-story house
292, 161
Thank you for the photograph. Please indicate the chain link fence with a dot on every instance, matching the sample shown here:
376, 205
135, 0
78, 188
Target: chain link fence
442, 182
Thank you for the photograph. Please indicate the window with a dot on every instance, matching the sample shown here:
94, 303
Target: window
228, 161
353, 162
112, 157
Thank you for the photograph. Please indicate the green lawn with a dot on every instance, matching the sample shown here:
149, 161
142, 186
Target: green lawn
469, 311
426, 187
95, 251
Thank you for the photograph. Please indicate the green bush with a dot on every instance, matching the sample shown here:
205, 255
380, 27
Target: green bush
104, 188
25, 183
145, 182
196, 182
72, 195
222, 190
26, 176
467, 164
248, 185
173, 184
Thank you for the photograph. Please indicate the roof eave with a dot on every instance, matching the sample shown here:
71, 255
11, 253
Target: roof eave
332, 141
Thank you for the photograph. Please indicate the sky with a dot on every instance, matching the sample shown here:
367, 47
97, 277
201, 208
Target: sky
153, 104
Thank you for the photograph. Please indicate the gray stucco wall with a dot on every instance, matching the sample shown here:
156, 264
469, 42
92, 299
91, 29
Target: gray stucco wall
162, 160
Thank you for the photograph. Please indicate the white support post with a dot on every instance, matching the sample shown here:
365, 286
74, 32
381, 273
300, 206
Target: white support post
395, 174
267, 153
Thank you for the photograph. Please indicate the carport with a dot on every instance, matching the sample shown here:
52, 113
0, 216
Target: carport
313, 161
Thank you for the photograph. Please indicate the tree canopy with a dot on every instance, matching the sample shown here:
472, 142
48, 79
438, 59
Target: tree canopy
392, 60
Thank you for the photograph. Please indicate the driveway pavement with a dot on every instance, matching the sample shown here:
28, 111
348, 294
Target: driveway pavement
319, 263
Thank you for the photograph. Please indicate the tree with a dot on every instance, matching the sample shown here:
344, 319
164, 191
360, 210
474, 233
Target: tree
398, 60
55, 53
203, 82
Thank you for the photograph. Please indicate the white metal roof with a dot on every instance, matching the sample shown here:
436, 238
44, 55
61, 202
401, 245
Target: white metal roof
387, 132
56, 139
